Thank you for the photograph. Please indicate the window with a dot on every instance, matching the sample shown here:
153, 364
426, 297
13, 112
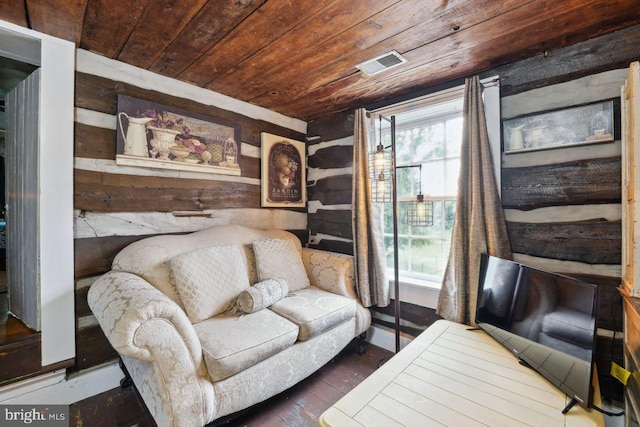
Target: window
428, 140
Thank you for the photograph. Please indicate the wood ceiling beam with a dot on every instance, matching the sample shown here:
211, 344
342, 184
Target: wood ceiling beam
208, 27
108, 25
14, 11
272, 65
432, 28
493, 50
159, 25
59, 18
261, 28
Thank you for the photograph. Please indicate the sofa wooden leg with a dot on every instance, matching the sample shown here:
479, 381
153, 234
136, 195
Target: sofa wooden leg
126, 382
360, 349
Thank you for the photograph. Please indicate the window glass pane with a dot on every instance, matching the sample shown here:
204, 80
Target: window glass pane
433, 178
403, 180
454, 137
450, 213
438, 224
427, 257
388, 219
427, 161
403, 227
453, 171
430, 144
403, 147
403, 250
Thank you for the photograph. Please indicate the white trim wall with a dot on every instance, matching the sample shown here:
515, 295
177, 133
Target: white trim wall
56, 58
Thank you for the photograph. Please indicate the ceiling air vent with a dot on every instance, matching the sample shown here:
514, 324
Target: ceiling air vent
381, 63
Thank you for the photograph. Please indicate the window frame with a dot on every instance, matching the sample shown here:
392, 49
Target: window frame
425, 293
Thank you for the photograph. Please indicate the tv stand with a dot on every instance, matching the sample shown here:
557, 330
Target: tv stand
524, 363
451, 376
570, 405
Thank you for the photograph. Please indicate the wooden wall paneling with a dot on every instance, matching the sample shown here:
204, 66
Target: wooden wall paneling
94, 256
609, 300
591, 242
331, 128
332, 222
632, 348
337, 156
89, 224
21, 360
103, 192
607, 52
94, 142
581, 182
92, 348
340, 246
101, 94
335, 190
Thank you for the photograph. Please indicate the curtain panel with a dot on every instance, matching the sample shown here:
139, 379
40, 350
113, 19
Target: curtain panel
372, 283
479, 225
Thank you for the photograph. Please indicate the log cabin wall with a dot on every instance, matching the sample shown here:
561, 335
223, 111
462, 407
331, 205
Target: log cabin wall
116, 205
562, 205
563, 210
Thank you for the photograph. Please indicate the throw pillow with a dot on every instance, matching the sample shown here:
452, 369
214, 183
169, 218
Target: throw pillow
280, 258
209, 279
261, 295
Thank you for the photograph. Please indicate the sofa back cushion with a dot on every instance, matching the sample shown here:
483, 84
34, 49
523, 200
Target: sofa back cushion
281, 258
209, 279
149, 257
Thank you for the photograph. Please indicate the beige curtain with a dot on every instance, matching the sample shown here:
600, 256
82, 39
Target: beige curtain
479, 220
372, 283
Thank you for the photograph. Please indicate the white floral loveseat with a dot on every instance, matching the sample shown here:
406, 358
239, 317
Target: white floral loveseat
165, 307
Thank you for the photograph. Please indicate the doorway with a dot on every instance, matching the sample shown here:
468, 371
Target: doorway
12, 330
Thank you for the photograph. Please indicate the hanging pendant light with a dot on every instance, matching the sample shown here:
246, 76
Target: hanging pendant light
420, 212
380, 173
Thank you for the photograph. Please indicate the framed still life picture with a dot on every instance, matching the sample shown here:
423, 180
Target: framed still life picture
283, 175
158, 136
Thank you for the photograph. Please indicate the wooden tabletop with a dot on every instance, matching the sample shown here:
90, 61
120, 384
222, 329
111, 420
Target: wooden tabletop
452, 376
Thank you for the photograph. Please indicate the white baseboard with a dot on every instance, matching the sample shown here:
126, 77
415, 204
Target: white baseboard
54, 389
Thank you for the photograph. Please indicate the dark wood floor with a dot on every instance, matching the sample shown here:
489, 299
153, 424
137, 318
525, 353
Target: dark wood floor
299, 406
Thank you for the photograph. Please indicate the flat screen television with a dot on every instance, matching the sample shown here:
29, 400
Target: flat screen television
547, 320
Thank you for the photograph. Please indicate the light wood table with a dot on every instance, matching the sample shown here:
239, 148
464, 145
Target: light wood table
455, 377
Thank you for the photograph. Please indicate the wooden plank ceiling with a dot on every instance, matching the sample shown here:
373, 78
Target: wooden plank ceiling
298, 57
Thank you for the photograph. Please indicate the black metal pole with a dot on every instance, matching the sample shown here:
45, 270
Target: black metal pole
396, 273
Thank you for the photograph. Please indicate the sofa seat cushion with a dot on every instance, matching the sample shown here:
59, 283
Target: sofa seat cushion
231, 343
315, 310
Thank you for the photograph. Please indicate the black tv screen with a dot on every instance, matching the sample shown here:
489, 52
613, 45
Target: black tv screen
547, 320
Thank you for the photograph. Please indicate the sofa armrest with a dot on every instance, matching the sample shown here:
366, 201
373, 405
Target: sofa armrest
330, 271
126, 306
334, 272
142, 323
